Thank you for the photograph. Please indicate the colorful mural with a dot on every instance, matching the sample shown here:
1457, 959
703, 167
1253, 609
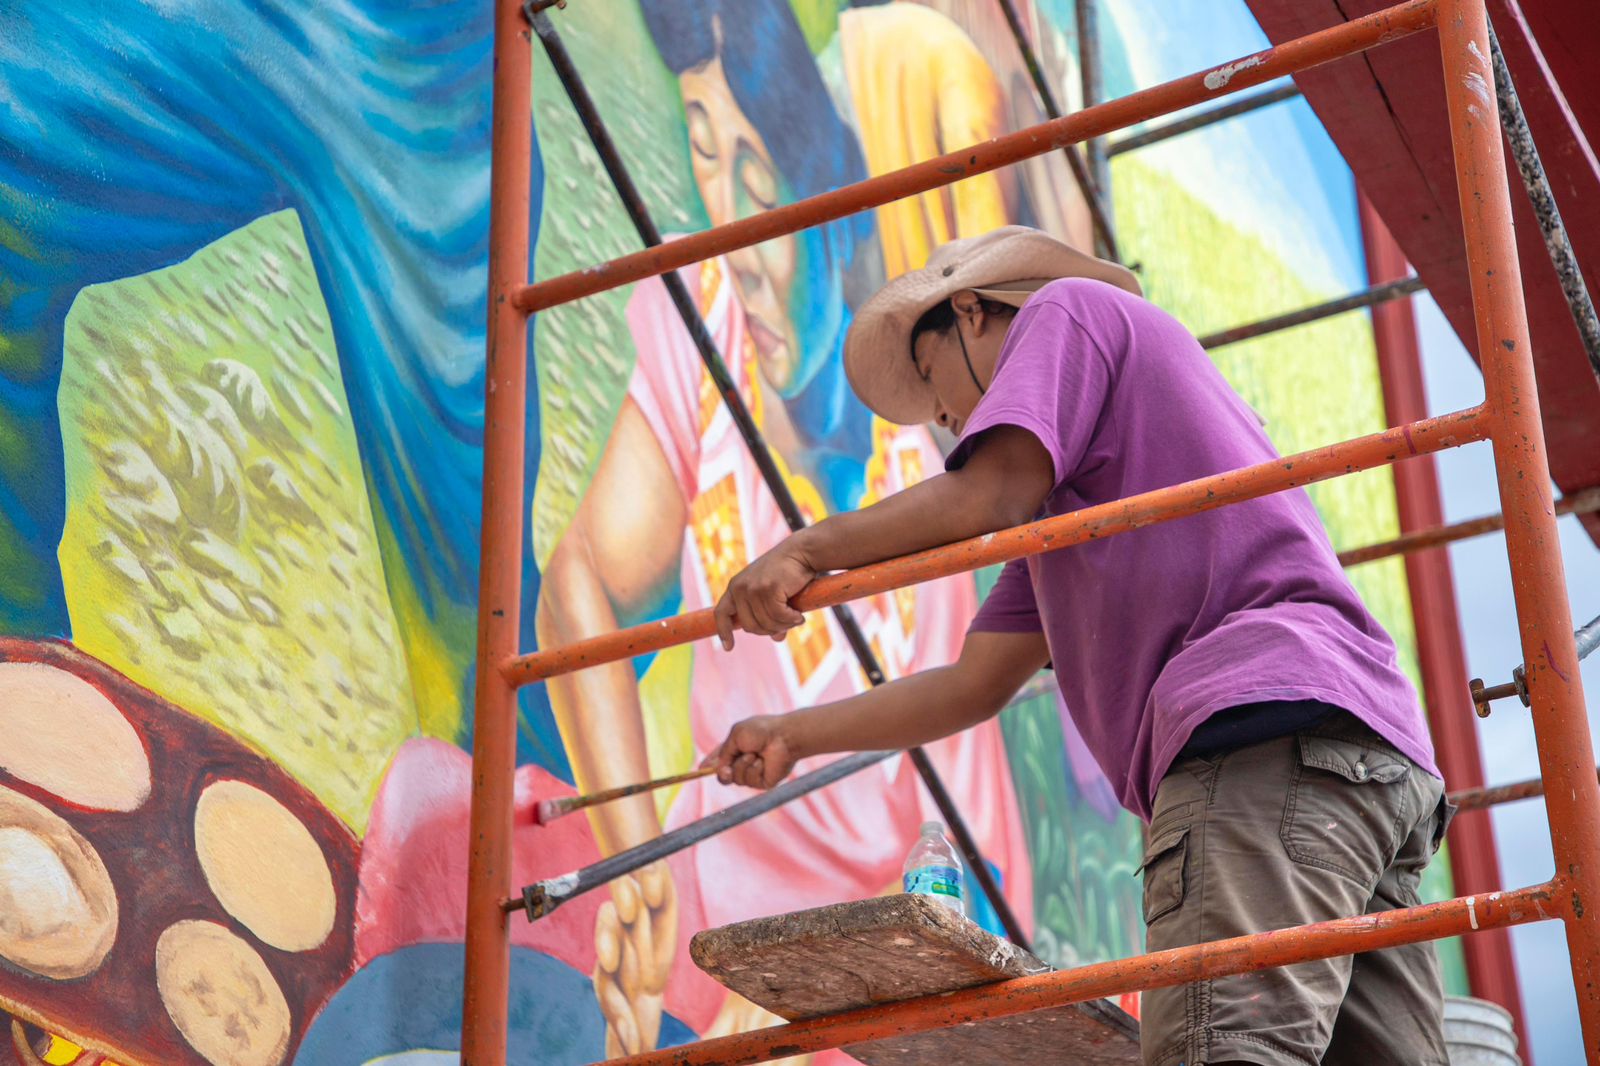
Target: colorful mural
242, 268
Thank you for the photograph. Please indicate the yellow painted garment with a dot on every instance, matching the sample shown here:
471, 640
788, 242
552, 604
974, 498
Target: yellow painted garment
921, 88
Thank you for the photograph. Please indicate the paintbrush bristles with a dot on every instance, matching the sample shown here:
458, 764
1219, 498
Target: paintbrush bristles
547, 811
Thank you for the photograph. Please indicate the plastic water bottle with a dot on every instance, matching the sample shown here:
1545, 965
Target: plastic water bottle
932, 868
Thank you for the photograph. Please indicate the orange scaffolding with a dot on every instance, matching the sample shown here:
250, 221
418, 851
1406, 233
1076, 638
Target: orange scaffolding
1508, 417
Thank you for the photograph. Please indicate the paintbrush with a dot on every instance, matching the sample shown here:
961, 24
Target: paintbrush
548, 810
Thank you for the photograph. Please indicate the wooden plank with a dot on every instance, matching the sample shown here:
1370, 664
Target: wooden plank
891, 948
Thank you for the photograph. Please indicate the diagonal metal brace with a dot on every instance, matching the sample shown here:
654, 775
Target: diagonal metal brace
531, 8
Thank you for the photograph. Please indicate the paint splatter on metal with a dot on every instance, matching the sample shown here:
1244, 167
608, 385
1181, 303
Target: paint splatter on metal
1220, 77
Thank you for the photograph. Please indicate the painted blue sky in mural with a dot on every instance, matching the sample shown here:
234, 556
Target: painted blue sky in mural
368, 118
182, 127
1303, 205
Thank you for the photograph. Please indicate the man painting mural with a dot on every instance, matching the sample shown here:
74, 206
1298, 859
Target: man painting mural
1221, 668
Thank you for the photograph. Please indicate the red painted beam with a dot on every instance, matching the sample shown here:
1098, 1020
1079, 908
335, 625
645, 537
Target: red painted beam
1474, 859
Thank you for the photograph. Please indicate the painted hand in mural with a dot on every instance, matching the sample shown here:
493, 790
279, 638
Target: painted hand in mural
757, 753
757, 599
636, 933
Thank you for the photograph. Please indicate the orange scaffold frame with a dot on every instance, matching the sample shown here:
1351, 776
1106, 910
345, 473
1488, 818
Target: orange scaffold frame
1508, 417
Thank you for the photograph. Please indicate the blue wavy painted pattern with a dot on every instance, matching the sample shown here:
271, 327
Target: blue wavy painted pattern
134, 133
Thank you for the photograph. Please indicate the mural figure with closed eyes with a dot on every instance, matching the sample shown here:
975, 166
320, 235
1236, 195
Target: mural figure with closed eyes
677, 505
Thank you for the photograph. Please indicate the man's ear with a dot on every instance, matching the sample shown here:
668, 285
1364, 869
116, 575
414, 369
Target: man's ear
970, 306
966, 302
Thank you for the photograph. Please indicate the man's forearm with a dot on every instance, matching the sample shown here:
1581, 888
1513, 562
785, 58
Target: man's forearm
938, 511
912, 710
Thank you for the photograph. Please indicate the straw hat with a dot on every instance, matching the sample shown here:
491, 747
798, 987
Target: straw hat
1008, 265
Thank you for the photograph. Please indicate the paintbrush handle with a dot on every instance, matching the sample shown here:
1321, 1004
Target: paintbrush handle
575, 803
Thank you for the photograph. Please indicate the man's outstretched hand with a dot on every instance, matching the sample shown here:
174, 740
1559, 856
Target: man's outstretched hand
757, 599
757, 753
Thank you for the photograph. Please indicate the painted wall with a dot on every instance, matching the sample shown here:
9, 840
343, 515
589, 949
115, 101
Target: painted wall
242, 260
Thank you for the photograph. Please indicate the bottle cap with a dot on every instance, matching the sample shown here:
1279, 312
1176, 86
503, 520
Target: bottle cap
932, 827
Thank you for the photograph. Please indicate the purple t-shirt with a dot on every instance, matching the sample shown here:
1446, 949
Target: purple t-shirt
1153, 631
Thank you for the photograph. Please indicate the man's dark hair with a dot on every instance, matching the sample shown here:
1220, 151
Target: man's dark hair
941, 317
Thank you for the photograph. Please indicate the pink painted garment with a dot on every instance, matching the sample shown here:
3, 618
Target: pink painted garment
846, 841
1151, 632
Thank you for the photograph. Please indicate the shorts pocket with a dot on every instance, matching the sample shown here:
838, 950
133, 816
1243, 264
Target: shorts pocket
1344, 805
1164, 875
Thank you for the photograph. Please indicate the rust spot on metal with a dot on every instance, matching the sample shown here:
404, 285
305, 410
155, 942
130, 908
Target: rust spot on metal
1509, 345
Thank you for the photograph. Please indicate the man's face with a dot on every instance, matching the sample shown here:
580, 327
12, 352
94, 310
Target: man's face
955, 361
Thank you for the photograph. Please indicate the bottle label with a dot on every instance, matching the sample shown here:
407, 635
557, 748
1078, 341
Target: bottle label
934, 881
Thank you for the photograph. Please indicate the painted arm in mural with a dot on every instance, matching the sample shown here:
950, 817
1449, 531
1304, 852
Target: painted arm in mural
1003, 483
918, 709
617, 557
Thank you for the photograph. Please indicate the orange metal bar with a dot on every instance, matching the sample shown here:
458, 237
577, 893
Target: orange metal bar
1585, 502
488, 948
1561, 726
1301, 54
1176, 966
1051, 534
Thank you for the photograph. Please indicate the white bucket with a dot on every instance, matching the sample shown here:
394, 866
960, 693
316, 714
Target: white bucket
1479, 1033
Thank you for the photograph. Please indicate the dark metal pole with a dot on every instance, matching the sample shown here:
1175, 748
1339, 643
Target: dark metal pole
542, 897
1377, 294
1094, 193
1203, 119
1518, 136
633, 202
1093, 92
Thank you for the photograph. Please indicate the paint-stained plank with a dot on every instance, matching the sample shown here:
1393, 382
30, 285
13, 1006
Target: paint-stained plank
883, 950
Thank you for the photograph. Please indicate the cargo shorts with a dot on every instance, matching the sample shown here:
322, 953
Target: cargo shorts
1329, 822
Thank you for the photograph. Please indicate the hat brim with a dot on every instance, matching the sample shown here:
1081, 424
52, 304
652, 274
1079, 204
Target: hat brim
1010, 263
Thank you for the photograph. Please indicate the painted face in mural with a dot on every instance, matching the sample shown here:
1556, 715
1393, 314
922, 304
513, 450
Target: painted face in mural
738, 177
